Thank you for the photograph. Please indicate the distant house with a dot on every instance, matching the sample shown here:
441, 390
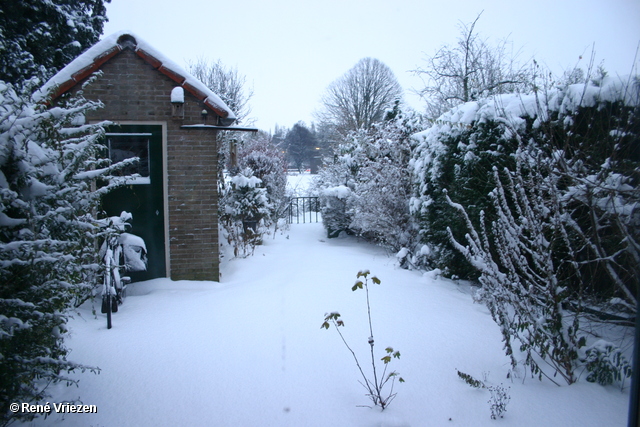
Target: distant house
170, 120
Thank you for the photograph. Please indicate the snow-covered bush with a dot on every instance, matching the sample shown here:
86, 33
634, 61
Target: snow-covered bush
49, 159
268, 164
520, 281
336, 209
244, 209
498, 401
384, 186
334, 186
373, 165
458, 157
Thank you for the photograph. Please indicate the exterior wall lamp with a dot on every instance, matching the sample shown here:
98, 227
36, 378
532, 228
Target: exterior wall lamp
177, 102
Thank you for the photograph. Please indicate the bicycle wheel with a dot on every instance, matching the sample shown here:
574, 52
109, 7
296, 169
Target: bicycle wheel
107, 306
109, 300
114, 304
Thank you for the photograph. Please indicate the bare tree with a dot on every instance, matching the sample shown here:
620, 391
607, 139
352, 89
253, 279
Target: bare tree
226, 82
361, 96
469, 70
230, 86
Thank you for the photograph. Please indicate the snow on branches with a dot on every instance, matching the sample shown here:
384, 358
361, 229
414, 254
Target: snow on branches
539, 194
366, 190
49, 160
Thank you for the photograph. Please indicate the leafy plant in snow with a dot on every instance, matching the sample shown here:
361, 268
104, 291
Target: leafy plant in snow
606, 364
499, 400
470, 380
499, 396
375, 386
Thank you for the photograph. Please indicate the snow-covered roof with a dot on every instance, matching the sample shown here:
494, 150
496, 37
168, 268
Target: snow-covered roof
91, 60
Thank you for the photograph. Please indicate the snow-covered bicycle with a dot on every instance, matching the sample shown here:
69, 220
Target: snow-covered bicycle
120, 252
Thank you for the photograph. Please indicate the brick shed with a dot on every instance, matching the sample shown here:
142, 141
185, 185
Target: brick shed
170, 120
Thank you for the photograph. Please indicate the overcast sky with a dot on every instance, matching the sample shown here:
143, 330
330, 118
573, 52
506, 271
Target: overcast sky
291, 50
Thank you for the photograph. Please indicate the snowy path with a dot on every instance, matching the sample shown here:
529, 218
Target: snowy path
249, 351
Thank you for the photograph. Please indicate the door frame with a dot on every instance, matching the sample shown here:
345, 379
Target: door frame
165, 183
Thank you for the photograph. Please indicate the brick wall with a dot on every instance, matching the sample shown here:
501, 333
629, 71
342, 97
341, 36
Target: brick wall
132, 90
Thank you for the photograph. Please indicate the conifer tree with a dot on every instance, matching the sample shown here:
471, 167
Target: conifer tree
39, 37
49, 159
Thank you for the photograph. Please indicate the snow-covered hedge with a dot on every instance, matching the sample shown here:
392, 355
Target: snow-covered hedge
539, 196
594, 127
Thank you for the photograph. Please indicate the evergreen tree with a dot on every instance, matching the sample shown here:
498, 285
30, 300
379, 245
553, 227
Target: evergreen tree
49, 159
243, 211
39, 37
279, 134
300, 142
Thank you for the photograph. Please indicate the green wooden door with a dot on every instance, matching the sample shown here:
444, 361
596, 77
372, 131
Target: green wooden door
144, 197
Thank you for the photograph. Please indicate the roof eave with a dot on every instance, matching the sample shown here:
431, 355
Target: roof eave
210, 100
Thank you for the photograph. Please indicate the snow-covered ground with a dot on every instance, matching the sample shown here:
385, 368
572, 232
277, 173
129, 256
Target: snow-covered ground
249, 351
299, 183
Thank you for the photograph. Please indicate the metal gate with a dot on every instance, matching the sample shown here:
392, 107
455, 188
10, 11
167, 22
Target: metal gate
303, 210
